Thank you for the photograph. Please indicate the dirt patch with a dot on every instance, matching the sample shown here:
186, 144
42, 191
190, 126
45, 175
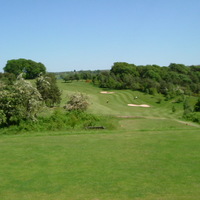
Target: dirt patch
142, 105
105, 92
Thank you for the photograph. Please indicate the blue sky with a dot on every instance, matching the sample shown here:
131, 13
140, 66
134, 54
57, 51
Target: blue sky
70, 35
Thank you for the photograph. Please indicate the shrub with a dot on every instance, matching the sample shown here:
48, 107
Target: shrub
2, 117
58, 121
187, 107
77, 102
159, 100
194, 116
173, 109
20, 101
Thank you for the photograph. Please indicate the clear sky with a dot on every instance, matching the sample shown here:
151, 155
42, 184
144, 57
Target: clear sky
70, 35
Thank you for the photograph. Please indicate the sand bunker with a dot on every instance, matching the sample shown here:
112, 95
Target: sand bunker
105, 92
142, 105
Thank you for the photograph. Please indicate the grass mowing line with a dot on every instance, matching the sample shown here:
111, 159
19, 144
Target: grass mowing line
120, 98
118, 102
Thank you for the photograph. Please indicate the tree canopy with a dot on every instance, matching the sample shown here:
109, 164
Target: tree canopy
170, 81
31, 69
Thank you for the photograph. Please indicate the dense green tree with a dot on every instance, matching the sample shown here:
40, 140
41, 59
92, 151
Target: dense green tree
152, 75
197, 106
47, 86
67, 77
70, 76
85, 75
170, 81
31, 69
124, 68
180, 68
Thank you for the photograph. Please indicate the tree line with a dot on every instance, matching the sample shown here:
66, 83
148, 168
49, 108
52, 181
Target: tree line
169, 81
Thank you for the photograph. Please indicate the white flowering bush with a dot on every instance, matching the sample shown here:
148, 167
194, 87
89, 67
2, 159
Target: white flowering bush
78, 102
20, 101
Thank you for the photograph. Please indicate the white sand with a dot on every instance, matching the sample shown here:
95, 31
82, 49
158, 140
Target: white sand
142, 105
105, 92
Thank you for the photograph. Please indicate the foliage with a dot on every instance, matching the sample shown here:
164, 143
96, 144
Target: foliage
48, 89
187, 107
176, 79
77, 101
7, 78
77, 75
2, 117
173, 109
197, 106
68, 77
192, 116
59, 121
31, 69
124, 68
20, 101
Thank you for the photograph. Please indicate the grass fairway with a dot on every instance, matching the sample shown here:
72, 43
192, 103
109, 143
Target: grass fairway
151, 156
120, 165
119, 100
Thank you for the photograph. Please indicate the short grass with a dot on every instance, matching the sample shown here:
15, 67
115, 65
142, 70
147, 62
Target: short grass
150, 156
142, 165
117, 102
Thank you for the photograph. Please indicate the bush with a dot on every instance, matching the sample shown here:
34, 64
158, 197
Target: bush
20, 101
2, 117
173, 109
187, 107
194, 117
59, 121
159, 100
77, 102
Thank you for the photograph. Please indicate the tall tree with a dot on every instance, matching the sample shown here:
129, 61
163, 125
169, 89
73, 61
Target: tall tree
46, 85
31, 69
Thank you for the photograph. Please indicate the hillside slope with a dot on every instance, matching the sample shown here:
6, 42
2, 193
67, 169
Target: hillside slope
115, 103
